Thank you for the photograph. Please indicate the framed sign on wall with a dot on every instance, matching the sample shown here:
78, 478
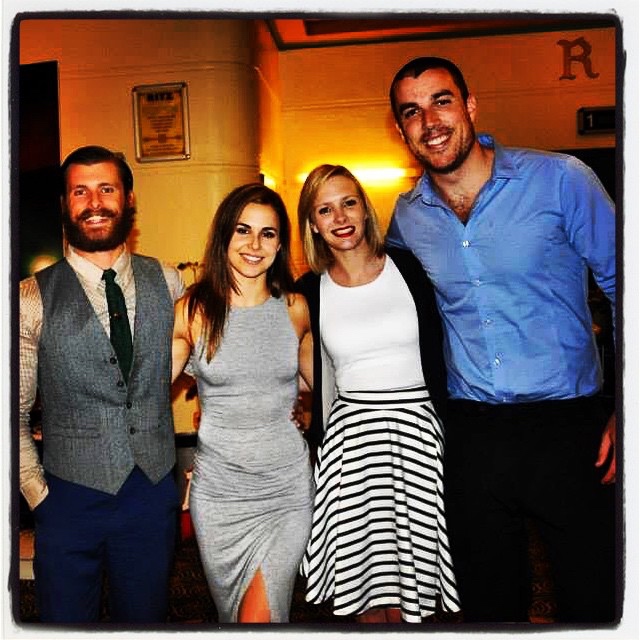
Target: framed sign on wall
161, 122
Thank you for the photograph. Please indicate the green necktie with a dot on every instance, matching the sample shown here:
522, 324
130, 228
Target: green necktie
119, 323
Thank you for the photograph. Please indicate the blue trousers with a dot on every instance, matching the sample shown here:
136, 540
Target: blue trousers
506, 465
81, 533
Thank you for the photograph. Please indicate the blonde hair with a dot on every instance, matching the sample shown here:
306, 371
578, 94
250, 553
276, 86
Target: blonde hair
316, 251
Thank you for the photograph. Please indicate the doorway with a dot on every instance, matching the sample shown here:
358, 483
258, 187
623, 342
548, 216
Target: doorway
38, 213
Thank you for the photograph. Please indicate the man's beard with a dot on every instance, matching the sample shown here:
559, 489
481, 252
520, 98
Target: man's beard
78, 238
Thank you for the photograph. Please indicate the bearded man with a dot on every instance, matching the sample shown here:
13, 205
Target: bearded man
95, 342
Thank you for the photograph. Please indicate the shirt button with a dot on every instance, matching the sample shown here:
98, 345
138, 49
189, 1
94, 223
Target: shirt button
487, 322
113, 360
476, 283
129, 405
132, 430
120, 383
465, 243
497, 362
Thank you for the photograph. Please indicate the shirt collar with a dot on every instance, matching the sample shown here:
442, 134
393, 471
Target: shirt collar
503, 167
92, 273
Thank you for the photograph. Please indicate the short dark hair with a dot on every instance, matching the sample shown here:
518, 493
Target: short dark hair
417, 67
94, 154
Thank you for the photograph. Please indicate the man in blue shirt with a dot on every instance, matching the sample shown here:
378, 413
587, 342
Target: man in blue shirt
507, 236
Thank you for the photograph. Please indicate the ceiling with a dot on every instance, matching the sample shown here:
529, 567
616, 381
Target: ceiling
308, 32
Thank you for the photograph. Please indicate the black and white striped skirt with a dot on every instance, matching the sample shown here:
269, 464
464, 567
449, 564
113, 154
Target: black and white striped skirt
378, 537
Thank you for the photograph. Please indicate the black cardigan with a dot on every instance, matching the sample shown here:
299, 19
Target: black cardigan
430, 335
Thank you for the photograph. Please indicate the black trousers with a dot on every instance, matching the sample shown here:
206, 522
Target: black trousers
507, 463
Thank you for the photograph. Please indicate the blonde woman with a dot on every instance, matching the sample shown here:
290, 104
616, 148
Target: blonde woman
378, 544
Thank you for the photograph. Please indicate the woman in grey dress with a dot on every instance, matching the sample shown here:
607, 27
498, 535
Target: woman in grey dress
244, 333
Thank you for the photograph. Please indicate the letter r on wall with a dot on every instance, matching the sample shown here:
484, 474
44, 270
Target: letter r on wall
582, 56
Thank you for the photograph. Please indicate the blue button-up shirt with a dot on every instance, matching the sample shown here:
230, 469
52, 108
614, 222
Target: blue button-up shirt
512, 283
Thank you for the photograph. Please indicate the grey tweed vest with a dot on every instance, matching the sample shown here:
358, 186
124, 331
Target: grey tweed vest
95, 427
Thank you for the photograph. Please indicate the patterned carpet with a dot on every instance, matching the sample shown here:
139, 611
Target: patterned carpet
190, 602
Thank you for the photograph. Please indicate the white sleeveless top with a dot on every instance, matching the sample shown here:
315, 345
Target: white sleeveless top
371, 332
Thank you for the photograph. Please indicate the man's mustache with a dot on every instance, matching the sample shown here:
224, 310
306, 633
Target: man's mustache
89, 213
434, 132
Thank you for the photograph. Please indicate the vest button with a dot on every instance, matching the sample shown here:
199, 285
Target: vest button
129, 405
120, 383
132, 430
113, 360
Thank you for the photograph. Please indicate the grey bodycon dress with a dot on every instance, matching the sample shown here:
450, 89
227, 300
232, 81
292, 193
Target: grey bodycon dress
252, 488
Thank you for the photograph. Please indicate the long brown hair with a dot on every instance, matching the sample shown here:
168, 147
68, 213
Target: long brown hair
210, 295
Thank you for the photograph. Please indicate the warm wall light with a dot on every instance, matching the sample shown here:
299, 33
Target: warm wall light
268, 181
40, 262
375, 176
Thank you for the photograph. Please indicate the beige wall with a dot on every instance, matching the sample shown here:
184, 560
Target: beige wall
336, 106
270, 107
